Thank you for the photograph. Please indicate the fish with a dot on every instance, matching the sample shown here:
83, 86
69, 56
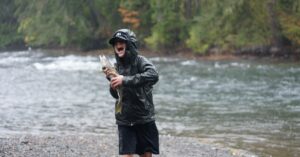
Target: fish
107, 65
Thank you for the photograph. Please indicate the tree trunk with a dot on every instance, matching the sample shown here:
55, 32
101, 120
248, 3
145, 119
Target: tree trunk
96, 17
277, 37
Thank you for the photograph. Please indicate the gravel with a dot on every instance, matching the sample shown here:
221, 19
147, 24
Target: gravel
103, 146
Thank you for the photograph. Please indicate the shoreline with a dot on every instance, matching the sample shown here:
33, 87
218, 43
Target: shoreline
183, 54
28, 145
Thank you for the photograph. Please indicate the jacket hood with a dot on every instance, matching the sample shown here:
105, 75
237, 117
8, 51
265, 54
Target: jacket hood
131, 45
125, 35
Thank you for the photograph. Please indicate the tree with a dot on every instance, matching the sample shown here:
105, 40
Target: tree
9, 25
170, 25
228, 25
196, 24
136, 15
289, 17
65, 23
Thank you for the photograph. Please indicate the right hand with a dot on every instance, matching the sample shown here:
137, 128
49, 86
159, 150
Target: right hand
116, 81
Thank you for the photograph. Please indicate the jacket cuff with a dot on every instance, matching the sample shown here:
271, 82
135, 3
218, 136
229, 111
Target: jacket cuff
126, 80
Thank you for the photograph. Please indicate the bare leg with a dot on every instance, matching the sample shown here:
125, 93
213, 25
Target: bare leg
127, 155
147, 154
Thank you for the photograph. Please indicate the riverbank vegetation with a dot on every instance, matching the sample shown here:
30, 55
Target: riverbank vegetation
200, 26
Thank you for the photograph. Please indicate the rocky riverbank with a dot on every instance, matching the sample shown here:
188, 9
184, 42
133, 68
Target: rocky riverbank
215, 54
102, 145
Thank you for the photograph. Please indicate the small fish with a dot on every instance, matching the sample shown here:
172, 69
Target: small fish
106, 64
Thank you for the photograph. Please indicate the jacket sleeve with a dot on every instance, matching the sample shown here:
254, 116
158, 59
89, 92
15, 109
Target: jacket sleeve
149, 74
113, 93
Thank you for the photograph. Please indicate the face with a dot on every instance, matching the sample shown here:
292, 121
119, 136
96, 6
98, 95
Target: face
120, 48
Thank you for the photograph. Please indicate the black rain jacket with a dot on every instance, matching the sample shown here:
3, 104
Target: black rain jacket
139, 77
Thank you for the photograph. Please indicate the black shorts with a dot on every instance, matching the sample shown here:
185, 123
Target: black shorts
138, 139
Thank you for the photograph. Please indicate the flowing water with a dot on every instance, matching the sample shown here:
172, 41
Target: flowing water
249, 105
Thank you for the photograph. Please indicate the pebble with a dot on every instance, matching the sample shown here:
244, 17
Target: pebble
102, 146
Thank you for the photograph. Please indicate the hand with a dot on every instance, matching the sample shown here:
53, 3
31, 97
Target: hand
116, 81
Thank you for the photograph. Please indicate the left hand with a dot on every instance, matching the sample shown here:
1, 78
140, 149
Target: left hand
116, 81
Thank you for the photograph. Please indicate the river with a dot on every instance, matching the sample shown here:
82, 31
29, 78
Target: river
243, 104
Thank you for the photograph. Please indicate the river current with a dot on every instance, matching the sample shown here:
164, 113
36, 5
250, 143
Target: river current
243, 104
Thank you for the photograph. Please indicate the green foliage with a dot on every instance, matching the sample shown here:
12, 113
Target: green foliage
170, 25
290, 19
144, 13
8, 24
62, 23
196, 24
52, 22
228, 24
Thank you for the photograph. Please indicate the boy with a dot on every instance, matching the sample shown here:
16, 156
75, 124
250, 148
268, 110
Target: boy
138, 133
